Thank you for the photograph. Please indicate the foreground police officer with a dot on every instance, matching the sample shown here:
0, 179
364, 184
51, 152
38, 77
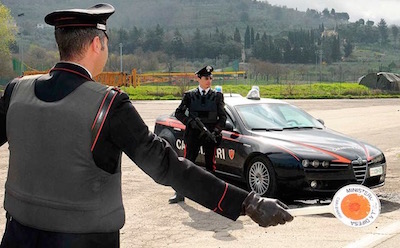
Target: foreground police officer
204, 105
63, 187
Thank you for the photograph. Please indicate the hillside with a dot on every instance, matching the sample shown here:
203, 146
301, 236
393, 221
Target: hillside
282, 30
185, 15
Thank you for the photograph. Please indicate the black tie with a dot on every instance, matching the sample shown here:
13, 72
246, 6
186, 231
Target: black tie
204, 92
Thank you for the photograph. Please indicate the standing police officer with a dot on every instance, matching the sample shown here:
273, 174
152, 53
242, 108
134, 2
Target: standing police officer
201, 107
66, 134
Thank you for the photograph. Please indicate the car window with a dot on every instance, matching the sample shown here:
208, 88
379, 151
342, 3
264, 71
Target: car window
275, 116
295, 117
229, 117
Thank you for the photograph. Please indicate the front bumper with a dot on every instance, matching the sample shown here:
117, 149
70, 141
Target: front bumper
331, 179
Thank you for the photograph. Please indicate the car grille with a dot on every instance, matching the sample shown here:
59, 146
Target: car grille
360, 170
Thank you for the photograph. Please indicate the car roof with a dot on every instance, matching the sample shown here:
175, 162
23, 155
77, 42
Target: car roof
234, 99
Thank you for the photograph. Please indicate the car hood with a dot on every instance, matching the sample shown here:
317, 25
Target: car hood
323, 143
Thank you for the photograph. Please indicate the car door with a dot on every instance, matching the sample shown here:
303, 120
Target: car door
231, 153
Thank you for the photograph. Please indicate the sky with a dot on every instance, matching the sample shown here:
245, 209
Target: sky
373, 10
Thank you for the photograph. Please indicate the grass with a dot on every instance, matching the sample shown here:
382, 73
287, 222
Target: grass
279, 91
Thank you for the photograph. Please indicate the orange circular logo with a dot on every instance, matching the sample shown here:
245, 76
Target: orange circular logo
355, 206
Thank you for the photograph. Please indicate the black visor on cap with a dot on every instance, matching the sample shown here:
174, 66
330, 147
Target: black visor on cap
95, 16
206, 71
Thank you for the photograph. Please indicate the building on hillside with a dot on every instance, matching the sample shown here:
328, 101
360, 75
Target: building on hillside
329, 33
381, 80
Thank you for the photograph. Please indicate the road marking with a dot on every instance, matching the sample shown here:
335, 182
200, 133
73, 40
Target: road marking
371, 240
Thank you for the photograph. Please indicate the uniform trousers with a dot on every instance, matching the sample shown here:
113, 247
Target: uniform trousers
192, 148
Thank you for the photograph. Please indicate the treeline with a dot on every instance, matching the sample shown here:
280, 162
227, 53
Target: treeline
298, 47
157, 49
290, 47
199, 45
366, 32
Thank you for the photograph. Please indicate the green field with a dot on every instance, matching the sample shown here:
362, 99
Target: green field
280, 91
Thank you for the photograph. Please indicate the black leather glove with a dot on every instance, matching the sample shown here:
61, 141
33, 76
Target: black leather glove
265, 211
192, 124
218, 136
203, 136
216, 132
211, 138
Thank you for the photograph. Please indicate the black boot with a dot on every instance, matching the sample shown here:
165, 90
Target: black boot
176, 198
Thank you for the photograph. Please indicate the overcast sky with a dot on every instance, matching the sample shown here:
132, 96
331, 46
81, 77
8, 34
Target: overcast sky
373, 10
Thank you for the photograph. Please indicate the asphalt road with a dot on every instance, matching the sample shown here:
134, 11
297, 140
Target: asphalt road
152, 222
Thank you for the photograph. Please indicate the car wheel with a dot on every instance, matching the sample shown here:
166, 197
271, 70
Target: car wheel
261, 177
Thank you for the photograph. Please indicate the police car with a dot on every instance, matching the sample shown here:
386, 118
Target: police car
277, 149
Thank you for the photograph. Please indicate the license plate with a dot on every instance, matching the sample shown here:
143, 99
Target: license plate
375, 171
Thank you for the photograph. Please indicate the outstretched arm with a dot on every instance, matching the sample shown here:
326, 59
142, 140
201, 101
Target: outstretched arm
157, 158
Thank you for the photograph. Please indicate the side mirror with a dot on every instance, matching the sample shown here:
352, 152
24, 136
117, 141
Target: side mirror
228, 126
321, 121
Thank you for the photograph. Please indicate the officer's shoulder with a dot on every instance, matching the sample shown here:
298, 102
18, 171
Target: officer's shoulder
218, 93
191, 91
11, 84
219, 96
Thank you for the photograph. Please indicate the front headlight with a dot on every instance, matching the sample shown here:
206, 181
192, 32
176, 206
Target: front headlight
325, 164
315, 163
305, 163
378, 159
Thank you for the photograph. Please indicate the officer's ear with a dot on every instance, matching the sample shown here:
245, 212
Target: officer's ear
96, 45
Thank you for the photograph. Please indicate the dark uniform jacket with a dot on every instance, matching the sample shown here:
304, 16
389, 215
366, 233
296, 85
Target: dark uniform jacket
125, 131
212, 113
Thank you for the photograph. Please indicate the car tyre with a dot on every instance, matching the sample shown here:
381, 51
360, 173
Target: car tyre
261, 177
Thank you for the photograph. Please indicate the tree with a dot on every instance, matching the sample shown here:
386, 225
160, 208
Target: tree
197, 45
342, 16
252, 37
370, 23
383, 31
136, 39
395, 33
154, 39
236, 36
361, 22
335, 49
221, 37
244, 16
6, 38
333, 12
233, 50
325, 13
40, 58
177, 46
247, 38
348, 48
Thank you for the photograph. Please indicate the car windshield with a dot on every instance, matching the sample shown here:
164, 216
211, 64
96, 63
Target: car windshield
275, 116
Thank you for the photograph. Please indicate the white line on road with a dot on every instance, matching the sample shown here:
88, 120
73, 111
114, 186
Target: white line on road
371, 240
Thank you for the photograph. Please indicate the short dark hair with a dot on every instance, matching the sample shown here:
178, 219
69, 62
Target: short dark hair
72, 42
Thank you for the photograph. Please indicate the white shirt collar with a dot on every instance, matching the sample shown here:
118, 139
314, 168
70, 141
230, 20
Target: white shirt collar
201, 90
90, 74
